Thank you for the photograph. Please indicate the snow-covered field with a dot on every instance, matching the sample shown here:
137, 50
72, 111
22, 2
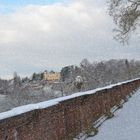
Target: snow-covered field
125, 125
2, 97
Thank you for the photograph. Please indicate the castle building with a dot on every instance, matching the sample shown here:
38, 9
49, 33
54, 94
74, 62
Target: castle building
55, 76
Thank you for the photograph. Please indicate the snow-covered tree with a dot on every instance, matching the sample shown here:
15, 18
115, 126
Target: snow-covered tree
126, 14
78, 82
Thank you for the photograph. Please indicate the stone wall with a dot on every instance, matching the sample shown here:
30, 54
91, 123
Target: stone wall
66, 119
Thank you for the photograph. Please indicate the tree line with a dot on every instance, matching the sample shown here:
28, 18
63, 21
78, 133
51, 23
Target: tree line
99, 74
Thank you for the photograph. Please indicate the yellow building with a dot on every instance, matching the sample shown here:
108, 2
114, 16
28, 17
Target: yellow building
51, 76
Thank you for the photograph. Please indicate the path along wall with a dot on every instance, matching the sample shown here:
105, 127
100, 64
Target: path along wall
63, 118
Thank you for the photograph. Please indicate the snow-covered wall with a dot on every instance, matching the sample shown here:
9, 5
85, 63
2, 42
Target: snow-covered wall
62, 118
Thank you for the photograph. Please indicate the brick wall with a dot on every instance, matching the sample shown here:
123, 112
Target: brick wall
66, 119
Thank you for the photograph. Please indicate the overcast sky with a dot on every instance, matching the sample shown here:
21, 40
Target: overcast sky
36, 35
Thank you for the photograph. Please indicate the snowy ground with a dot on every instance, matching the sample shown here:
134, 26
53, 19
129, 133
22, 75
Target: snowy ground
2, 97
3, 103
125, 125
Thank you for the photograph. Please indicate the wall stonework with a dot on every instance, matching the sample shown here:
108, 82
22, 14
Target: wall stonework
66, 119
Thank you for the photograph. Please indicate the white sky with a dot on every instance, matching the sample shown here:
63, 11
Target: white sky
38, 37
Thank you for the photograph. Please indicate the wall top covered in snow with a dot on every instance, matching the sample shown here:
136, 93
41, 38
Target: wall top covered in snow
27, 108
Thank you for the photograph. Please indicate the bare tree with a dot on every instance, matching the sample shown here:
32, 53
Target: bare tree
17, 80
126, 14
